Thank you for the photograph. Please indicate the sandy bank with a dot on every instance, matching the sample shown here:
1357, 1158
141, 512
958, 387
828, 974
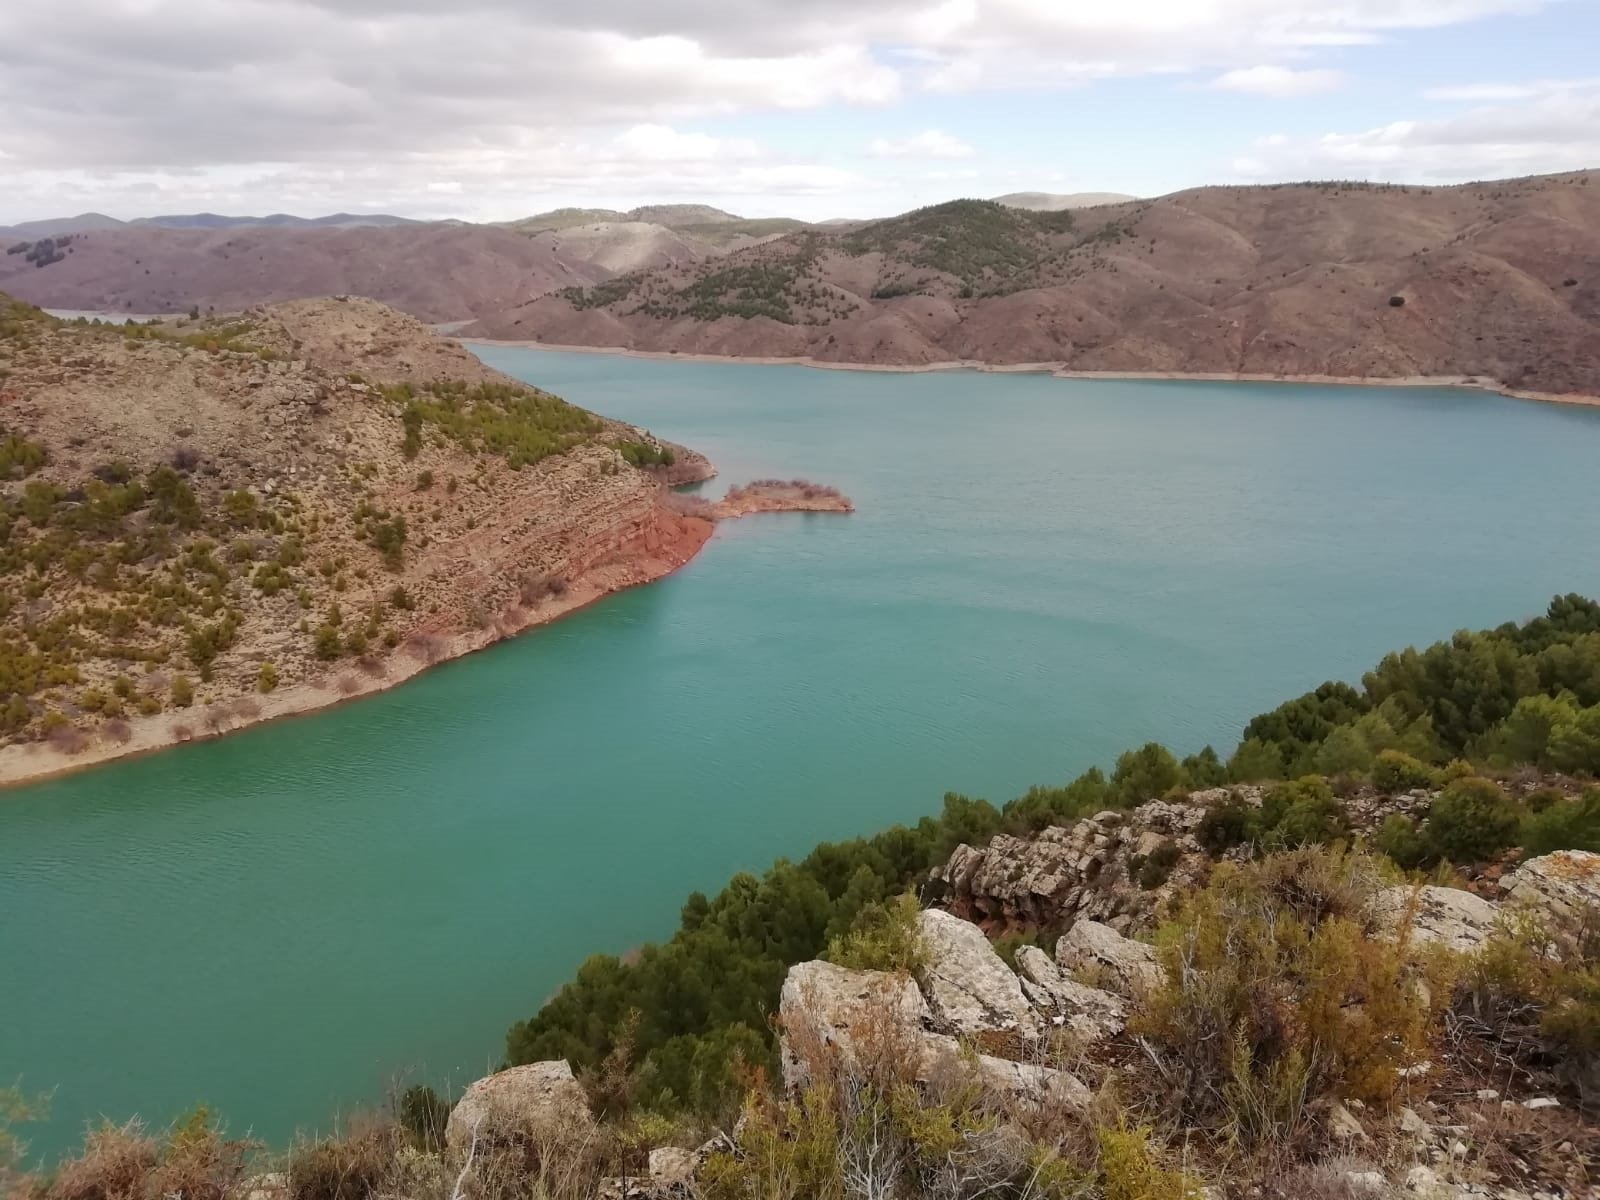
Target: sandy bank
1063, 371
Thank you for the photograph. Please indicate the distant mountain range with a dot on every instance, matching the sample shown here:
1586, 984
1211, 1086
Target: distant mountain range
1499, 281
93, 222
1495, 280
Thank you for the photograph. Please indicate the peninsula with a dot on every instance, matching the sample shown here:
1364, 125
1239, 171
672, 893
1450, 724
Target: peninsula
211, 522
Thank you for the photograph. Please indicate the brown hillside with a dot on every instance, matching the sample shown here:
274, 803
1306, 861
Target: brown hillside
276, 509
434, 272
1496, 280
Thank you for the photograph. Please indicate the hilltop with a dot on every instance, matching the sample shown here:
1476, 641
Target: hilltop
439, 271
1056, 201
98, 222
1499, 281
219, 519
204, 517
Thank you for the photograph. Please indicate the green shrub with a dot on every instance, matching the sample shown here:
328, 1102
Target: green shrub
883, 937
1157, 867
1302, 813
1400, 839
1147, 773
1563, 825
267, 677
1130, 1169
182, 691
1394, 771
1472, 820
1224, 826
1256, 761
327, 643
424, 1113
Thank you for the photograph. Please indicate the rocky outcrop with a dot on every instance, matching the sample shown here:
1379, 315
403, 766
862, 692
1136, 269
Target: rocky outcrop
1090, 869
866, 1021
533, 1102
1091, 1014
1564, 884
968, 986
1438, 915
1127, 967
1120, 868
833, 1007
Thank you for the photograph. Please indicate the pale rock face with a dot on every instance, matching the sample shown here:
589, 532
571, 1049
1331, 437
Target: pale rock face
1440, 915
1034, 1084
1343, 1125
1090, 946
1564, 884
968, 985
673, 1166
1091, 1014
834, 1003
535, 1101
836, 1006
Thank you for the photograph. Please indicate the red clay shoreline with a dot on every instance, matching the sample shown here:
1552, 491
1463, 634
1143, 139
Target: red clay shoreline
673, 540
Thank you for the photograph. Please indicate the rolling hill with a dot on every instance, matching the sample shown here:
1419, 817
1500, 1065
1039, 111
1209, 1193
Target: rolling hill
1055, 202
438, 272
1493, 280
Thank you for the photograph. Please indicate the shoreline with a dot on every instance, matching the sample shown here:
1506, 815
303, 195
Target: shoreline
1060, 370
26, 763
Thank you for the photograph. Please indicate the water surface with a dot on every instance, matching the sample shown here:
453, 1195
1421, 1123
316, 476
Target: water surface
1041, 573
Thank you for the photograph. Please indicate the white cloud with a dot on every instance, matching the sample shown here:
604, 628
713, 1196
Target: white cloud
1281, 82
1488, 92
131, 96
1556, 132
930, 143
663, 144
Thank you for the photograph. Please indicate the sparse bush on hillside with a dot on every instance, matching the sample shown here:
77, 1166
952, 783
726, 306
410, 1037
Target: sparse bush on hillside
518, 423
1394, 771
1276, 993
1473, 819
883, 937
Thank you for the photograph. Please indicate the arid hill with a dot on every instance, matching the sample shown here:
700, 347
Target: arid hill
201, 519
1056, 201
439, 272
1497, 280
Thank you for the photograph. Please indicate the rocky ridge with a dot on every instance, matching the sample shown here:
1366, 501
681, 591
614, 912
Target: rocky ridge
966, 1013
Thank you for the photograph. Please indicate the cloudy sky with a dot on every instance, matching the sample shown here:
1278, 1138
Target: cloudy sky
491, 109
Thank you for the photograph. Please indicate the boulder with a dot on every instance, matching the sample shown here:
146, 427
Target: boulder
673, 1168
1128, 967
1440, 915
832, 1005
833, 1009
1563, 884
538, 1101
1033, 1084
967, 984
1091, 1014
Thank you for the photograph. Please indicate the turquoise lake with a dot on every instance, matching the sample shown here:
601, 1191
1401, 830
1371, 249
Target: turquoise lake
1041, 573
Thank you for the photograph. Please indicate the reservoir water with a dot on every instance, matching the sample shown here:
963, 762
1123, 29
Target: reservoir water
1041, 573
